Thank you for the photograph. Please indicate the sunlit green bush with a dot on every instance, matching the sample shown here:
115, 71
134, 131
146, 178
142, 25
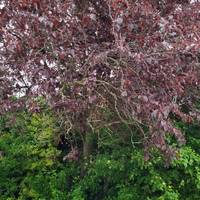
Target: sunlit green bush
29, 168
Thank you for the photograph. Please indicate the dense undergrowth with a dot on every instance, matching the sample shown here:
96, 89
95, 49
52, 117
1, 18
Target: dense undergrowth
31, 166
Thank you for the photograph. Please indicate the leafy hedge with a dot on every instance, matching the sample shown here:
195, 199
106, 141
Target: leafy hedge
124, 175
31, 167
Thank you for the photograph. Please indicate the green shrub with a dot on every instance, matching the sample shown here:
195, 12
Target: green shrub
31, 168
122, 174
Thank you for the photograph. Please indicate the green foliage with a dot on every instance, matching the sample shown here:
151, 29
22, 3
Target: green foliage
122, 173
31, 167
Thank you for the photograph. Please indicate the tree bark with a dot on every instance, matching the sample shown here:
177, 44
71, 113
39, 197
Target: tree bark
88, 145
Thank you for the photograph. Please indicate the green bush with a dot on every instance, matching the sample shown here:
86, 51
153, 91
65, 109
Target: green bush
123, 174
31, 166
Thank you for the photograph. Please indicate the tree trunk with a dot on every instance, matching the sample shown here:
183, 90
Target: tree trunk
88, 149
88, 145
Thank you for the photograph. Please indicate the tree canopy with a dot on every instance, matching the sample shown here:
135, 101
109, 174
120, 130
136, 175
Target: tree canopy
103, 63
